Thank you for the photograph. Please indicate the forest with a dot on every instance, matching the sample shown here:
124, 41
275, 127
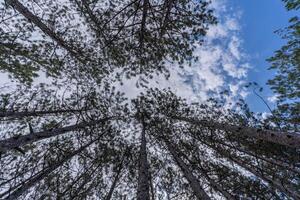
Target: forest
75, 135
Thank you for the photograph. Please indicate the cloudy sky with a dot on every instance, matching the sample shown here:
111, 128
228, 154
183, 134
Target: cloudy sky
259, 20
234, 54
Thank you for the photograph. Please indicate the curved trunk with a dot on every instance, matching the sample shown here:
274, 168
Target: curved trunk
282, 138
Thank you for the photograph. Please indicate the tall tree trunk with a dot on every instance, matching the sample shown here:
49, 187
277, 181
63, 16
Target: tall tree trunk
194, 183
215, 185
116, 179
19, 141
143, 23
43, 174
14, 114
143, 192
35, 20
151, 187
268, 160
273, 183
283, 138
85, 173
204, 173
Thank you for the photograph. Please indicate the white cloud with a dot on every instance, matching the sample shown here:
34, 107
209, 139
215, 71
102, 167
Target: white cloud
221, 63
232, 24
265, 115
273, 99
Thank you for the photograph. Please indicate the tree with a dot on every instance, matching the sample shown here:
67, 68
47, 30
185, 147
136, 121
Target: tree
286, 83
85, 140
134, 36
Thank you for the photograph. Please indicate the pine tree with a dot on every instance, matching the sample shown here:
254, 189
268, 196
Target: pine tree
84, 140
286, 82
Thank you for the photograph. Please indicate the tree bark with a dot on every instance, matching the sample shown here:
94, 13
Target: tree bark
143, 23
86, 171
282, 138
19, 141
14, 114
194, 183
268, 160
116, 179
151, 187
34, 19
44, 173
273, 183
213, 184
143, 180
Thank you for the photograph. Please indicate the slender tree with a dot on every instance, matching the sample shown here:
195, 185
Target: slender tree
36, 178
196, 186
66, 140
116, 177
143, 191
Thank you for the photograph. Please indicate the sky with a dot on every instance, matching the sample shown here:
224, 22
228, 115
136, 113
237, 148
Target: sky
259, 20
233, 54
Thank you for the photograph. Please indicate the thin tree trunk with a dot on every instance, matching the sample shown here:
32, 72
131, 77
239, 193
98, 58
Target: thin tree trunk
269, 160
215, 185
14, 114
151, 187
36, 20
90, 14
19, 141
194, 183
143, 180
273, 183
143, 23
167, 8
43, 174
283, 138
116, 179
203, 172
86, 171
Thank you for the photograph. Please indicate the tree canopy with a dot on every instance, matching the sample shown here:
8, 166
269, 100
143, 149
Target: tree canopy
78, 137
286, 62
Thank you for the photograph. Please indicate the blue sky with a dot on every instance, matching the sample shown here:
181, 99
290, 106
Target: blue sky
244, 37
259, 20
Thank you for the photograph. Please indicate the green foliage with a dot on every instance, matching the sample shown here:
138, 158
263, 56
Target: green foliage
82, 137
286, 62
292, 4
124, 38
